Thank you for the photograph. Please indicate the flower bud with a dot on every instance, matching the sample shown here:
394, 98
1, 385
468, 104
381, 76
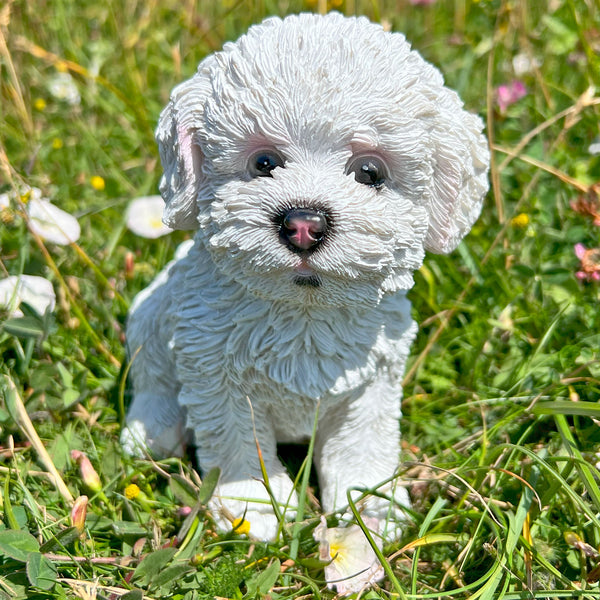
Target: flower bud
79, 512
88, 473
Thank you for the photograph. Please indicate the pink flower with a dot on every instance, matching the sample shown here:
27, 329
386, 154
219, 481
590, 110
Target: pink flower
88, 473
508, 94
183, 511
78, 513
590, 263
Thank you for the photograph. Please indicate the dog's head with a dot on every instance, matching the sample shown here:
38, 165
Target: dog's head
320, 157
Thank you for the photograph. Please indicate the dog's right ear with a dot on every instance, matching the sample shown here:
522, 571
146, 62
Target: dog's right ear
180, 154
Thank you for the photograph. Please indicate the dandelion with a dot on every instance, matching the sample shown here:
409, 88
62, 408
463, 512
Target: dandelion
131, 491
48, 221
88, 473
508, 94
590, 263
241, 526
353, 564
97, 183
144, 217
79, 512
31, 289
62, 86
520, 221
39, 104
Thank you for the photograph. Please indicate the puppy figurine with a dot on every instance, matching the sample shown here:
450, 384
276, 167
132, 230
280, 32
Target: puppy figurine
317, 158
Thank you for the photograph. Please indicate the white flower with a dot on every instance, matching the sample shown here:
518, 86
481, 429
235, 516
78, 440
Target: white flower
354, 565
523, 63
62, 86
594, 147
144, 217
4, 201
35, 291
50, 222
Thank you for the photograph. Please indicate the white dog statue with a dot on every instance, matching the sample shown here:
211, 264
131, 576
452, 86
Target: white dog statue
317, 158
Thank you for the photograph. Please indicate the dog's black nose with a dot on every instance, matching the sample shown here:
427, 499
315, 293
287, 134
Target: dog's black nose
303, 229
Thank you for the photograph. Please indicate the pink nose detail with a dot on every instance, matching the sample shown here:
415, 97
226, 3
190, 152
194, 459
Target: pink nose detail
303, 228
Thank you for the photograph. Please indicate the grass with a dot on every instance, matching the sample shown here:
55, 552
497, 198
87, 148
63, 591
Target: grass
501, 411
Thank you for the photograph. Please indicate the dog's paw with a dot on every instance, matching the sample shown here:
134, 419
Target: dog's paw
133, 439
249, 500
391, 513
386, 513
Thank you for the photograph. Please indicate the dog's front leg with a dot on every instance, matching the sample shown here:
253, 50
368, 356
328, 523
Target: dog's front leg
228, 436
361, 449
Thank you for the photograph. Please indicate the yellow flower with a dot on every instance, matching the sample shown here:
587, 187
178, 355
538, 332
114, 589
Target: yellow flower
521, 220
39, 104
241, 526
97, 182
132, 491
57, 143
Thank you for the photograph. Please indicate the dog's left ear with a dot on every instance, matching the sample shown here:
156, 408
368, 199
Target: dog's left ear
461, 161
183, 182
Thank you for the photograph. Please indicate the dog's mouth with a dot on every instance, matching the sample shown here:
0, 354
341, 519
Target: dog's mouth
305, 276
303, 281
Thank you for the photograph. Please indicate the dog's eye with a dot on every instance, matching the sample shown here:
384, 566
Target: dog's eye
368, 170
263, 162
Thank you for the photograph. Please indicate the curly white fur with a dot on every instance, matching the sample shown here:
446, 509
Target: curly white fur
243, 329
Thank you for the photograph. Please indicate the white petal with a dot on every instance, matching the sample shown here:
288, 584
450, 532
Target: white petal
594, 147
144, 217
4, 201
62, 86
354, 564
36, 291
51, 223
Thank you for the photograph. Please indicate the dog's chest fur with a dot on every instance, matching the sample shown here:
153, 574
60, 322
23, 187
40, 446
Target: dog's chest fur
236, 343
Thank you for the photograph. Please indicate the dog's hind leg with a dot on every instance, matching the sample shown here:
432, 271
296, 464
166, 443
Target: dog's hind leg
155, 420
155, 424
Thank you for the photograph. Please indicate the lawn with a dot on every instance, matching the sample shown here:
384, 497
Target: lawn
501, 425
